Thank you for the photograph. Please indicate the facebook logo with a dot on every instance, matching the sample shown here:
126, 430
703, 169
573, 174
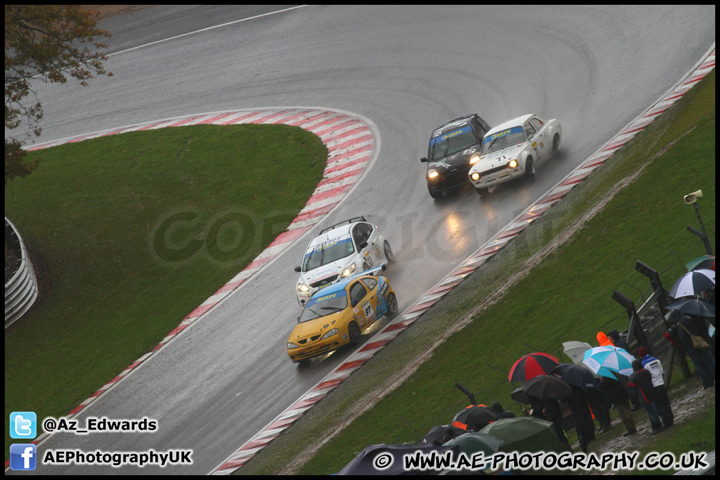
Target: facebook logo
22, 456
23, 425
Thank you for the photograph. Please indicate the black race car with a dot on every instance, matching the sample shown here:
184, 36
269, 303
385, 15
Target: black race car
453, 149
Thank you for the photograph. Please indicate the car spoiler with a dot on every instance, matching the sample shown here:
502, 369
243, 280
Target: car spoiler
351, 220
369, 272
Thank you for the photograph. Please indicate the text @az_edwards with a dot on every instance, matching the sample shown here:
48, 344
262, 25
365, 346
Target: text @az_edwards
99, 424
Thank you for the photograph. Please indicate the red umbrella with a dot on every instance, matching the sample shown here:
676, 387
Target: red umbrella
532, 365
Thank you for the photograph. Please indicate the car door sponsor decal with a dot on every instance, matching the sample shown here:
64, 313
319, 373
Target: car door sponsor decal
358, 316
383, 289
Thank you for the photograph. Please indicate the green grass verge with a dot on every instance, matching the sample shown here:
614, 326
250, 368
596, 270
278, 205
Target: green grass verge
93, 210
566, 297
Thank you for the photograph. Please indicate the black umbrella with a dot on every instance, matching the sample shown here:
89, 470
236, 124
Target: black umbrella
473, 418
439, 435
392, 457
547, 387
693, 306
520, 396
575, 375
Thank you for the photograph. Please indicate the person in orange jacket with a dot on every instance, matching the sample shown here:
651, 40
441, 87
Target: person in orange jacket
603, 340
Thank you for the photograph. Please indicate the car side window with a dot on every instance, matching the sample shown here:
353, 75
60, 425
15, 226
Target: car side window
357, 235
537, 123
529, 130
369, 282
357, 292
478, 127
361, 233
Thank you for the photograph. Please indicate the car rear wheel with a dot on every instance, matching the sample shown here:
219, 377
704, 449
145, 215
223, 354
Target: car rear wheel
556, 143
529, 167
389, 255
392, 305
354, 333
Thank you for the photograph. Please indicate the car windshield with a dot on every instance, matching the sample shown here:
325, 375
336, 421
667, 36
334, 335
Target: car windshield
506, 138
452, 142
327, 252
321, 305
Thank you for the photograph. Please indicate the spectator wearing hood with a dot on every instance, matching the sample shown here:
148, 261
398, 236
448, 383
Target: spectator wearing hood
603, 340
618, 396
640, 384
500, 412
662, 401
701, 358
618, 341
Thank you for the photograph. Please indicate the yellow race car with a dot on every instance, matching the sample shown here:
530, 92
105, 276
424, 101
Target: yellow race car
339, 313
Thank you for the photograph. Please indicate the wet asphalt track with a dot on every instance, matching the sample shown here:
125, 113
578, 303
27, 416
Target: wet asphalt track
408, 69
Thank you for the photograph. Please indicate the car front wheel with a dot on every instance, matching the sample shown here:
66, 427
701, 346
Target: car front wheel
434, 193
389, 255
529, 167
556, 143
354, 333
481, 191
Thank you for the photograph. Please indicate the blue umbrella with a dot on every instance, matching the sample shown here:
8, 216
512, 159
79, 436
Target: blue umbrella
605, 360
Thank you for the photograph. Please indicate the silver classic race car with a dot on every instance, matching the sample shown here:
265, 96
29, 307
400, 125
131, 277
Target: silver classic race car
512, 150
345, 249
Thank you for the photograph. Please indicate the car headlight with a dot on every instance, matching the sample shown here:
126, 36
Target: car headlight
348, 271
303, 288
475, 176
432, 173
513, 164
474, 159
291, 345
329, 333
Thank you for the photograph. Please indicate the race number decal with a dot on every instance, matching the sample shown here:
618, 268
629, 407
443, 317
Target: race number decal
369, 314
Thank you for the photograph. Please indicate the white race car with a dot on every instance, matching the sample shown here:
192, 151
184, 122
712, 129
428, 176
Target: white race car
345, 249
512, 150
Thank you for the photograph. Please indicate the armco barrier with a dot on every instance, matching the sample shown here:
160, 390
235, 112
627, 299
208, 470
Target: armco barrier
22, 289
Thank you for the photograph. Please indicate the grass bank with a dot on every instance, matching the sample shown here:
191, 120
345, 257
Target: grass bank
565, 297
137, 230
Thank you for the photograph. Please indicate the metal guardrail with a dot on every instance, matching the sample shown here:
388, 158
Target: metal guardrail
22, 289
